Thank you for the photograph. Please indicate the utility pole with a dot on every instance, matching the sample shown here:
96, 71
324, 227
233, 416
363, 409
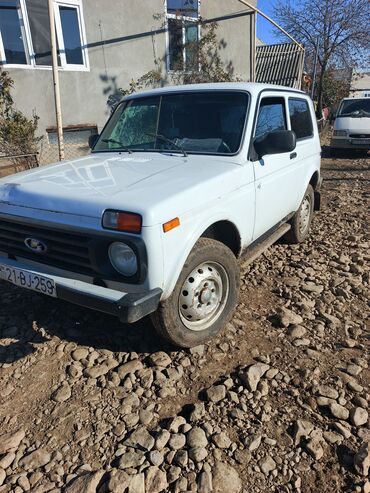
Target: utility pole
315, 68
54, 56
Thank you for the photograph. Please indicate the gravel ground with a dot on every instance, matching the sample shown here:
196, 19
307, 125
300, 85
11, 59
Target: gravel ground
278, 403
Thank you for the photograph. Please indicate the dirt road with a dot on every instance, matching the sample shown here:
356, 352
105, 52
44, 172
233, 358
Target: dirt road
278, 403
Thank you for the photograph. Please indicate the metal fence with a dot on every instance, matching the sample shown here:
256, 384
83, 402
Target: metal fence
280, 64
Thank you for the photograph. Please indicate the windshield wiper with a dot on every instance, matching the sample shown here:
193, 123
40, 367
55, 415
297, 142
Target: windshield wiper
114, 141
166, 139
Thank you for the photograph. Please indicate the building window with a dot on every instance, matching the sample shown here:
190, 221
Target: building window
13, 44
34, 28
183, 34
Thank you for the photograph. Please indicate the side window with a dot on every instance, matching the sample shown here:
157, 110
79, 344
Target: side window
300, 118
271, 116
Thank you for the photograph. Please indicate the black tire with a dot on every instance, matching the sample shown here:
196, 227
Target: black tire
297, 233
169, 320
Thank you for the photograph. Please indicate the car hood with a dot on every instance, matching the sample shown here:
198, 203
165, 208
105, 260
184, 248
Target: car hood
153, 185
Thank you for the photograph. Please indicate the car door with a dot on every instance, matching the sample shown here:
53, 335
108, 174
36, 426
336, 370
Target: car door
274, 174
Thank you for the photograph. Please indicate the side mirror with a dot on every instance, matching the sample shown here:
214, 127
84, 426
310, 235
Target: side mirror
275, 143
92, 140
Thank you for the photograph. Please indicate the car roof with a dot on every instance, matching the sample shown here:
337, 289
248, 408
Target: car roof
253, 88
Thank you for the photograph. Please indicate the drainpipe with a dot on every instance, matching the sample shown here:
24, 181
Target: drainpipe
58, 112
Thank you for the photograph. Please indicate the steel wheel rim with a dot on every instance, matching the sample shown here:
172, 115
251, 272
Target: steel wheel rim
304, 214
203, 296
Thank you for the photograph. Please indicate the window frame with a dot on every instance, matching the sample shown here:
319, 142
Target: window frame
297, 98
24, 27
30, 54
282, 101
184, 19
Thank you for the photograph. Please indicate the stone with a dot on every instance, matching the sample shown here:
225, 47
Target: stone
7, 460
253, 375
296, 332
35, 459
86, 483
132, 458
267, 465
137, 484
225, 479
197, 350
252, 442
175, 424
63, 393
140, 439
155, 480
129, 367
162, 439
314, 448
327, 391
156, 457
196, 437
118, 481
177, 441
80, 353
198, 454
361, 460
197, 412
302, 429
160, 359
343, 430
205, 482
353, 370
339, 411
221, 440
287, 317
216, 393
11, 441
358, 416
99, 370
2, 476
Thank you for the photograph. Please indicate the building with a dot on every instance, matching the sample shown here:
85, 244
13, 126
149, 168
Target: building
102, 46
360, 85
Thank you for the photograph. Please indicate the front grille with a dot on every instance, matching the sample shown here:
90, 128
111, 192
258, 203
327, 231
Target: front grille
65, 250
360, 136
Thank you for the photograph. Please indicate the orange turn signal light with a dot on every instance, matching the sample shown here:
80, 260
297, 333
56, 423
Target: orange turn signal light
171, 224
122, 221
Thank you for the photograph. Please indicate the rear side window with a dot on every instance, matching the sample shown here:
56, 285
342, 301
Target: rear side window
300, 118
271, 116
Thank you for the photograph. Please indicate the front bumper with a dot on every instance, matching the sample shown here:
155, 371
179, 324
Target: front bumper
128, 307
350, 144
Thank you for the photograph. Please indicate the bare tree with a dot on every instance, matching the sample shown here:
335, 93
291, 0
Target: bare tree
341, 28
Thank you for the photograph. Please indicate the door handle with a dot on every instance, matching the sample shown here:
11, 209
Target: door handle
293, 155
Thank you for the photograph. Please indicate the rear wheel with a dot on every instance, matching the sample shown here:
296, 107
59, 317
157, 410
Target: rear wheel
204, 297
301, 221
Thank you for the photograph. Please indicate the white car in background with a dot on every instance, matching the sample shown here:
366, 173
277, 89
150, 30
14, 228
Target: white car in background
180, 184
351, 126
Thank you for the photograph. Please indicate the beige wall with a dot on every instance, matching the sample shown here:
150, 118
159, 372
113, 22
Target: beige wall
116, 62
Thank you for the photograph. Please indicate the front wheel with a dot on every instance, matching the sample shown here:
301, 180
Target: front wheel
204, 297
301, 221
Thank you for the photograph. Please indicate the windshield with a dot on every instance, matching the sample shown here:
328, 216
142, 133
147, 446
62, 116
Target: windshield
355, 108
188, 122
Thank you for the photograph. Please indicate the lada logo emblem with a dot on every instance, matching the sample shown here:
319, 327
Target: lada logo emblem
35, 245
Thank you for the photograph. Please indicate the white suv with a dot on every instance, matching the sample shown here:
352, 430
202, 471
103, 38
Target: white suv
181, 182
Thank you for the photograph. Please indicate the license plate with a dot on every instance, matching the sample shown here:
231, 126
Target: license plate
28, 280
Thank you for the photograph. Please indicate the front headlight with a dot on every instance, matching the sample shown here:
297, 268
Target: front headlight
123, 259
340, 133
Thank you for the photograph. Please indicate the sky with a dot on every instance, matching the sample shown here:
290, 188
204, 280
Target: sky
265, 30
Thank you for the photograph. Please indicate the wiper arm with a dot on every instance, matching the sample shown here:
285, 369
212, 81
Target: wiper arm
166, 139
114, 141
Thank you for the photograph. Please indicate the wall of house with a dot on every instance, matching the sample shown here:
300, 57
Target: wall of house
123, 38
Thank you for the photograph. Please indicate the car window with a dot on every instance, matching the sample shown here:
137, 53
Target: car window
200, 122
271, 116
355, 108
300, 118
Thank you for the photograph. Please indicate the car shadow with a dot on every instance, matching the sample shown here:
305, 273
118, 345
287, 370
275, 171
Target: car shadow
38, 318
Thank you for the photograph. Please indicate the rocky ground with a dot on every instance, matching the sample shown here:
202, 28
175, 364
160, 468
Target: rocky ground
278, 403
